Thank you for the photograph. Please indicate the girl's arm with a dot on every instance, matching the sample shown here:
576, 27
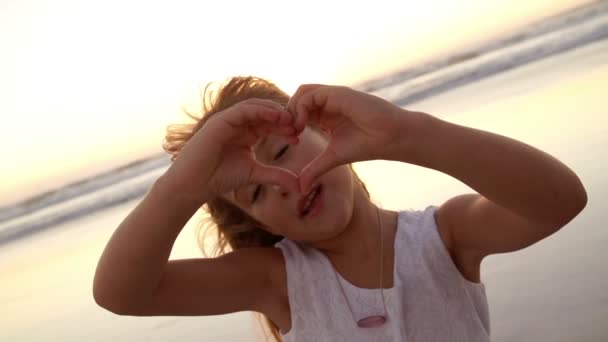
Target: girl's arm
134, 276
134, 260
526, 194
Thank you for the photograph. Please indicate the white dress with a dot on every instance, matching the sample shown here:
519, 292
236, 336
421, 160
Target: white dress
430, 300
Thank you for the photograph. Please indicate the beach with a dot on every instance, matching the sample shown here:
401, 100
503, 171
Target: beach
554, 290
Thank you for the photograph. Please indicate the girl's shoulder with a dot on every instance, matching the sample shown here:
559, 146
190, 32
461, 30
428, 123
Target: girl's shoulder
279, 272
279, 311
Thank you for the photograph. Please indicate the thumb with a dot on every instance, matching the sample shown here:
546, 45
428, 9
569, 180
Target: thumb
318, 166
265, 174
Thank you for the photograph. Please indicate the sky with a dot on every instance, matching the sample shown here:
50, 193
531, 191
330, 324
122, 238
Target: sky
87, 86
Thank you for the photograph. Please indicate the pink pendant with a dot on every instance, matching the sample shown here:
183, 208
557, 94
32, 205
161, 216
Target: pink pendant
371, 322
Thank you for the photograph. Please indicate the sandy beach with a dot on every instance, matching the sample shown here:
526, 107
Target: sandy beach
553, 291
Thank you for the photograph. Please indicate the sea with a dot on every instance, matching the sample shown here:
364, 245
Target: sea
545, 85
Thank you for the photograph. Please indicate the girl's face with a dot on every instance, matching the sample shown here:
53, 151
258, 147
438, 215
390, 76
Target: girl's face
280, 210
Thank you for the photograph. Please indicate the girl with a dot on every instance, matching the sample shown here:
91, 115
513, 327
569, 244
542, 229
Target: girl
309, 250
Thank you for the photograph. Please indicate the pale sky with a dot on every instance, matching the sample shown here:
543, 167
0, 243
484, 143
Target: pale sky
87, 86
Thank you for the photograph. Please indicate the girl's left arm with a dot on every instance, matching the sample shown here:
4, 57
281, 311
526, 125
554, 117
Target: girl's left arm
524, 195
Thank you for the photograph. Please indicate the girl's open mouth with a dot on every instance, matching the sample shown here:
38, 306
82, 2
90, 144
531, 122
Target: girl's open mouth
314, 203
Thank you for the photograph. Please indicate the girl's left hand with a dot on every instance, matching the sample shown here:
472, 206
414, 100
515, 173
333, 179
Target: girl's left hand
361, 126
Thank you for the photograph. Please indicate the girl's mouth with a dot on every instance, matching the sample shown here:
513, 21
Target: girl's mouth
313, 203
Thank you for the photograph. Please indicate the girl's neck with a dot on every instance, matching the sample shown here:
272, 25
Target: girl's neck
359, 241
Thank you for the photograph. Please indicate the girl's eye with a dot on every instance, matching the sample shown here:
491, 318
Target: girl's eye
258, 189
256, 193
281, 152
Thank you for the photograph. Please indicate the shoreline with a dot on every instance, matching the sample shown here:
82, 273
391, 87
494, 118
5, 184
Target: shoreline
107, 189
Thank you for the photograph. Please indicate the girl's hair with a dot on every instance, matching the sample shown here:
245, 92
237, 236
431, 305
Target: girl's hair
235, 228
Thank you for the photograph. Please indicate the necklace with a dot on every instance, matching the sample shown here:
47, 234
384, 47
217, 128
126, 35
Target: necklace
376, 320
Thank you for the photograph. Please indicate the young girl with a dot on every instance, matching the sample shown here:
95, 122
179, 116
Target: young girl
310, 251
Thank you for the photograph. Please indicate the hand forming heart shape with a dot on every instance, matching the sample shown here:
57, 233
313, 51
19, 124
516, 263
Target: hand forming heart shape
220, 157
361, 127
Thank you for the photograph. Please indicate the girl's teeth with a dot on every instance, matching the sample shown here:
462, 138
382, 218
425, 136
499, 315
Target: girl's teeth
309, 201
307, 204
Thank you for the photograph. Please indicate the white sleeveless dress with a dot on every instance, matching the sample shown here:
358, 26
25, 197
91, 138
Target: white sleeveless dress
430, 300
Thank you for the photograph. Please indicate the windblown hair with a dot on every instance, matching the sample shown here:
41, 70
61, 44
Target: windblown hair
235, 229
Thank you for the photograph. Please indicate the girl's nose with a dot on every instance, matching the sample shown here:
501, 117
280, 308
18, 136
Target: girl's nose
281, 190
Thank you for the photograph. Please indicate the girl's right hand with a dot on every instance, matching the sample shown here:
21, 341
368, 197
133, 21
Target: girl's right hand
220, 156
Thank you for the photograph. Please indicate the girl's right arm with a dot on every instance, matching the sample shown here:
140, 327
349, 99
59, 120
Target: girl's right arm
134, 275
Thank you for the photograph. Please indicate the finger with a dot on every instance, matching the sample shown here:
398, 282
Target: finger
317, 167
274, 106
304, 88
255, 114
277, 117
293, 139
283, 125
265, 102
314, 102
308, 110
270, 129
275, 175
301, 113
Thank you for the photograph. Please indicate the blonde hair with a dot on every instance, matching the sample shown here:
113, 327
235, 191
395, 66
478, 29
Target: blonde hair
235, 228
